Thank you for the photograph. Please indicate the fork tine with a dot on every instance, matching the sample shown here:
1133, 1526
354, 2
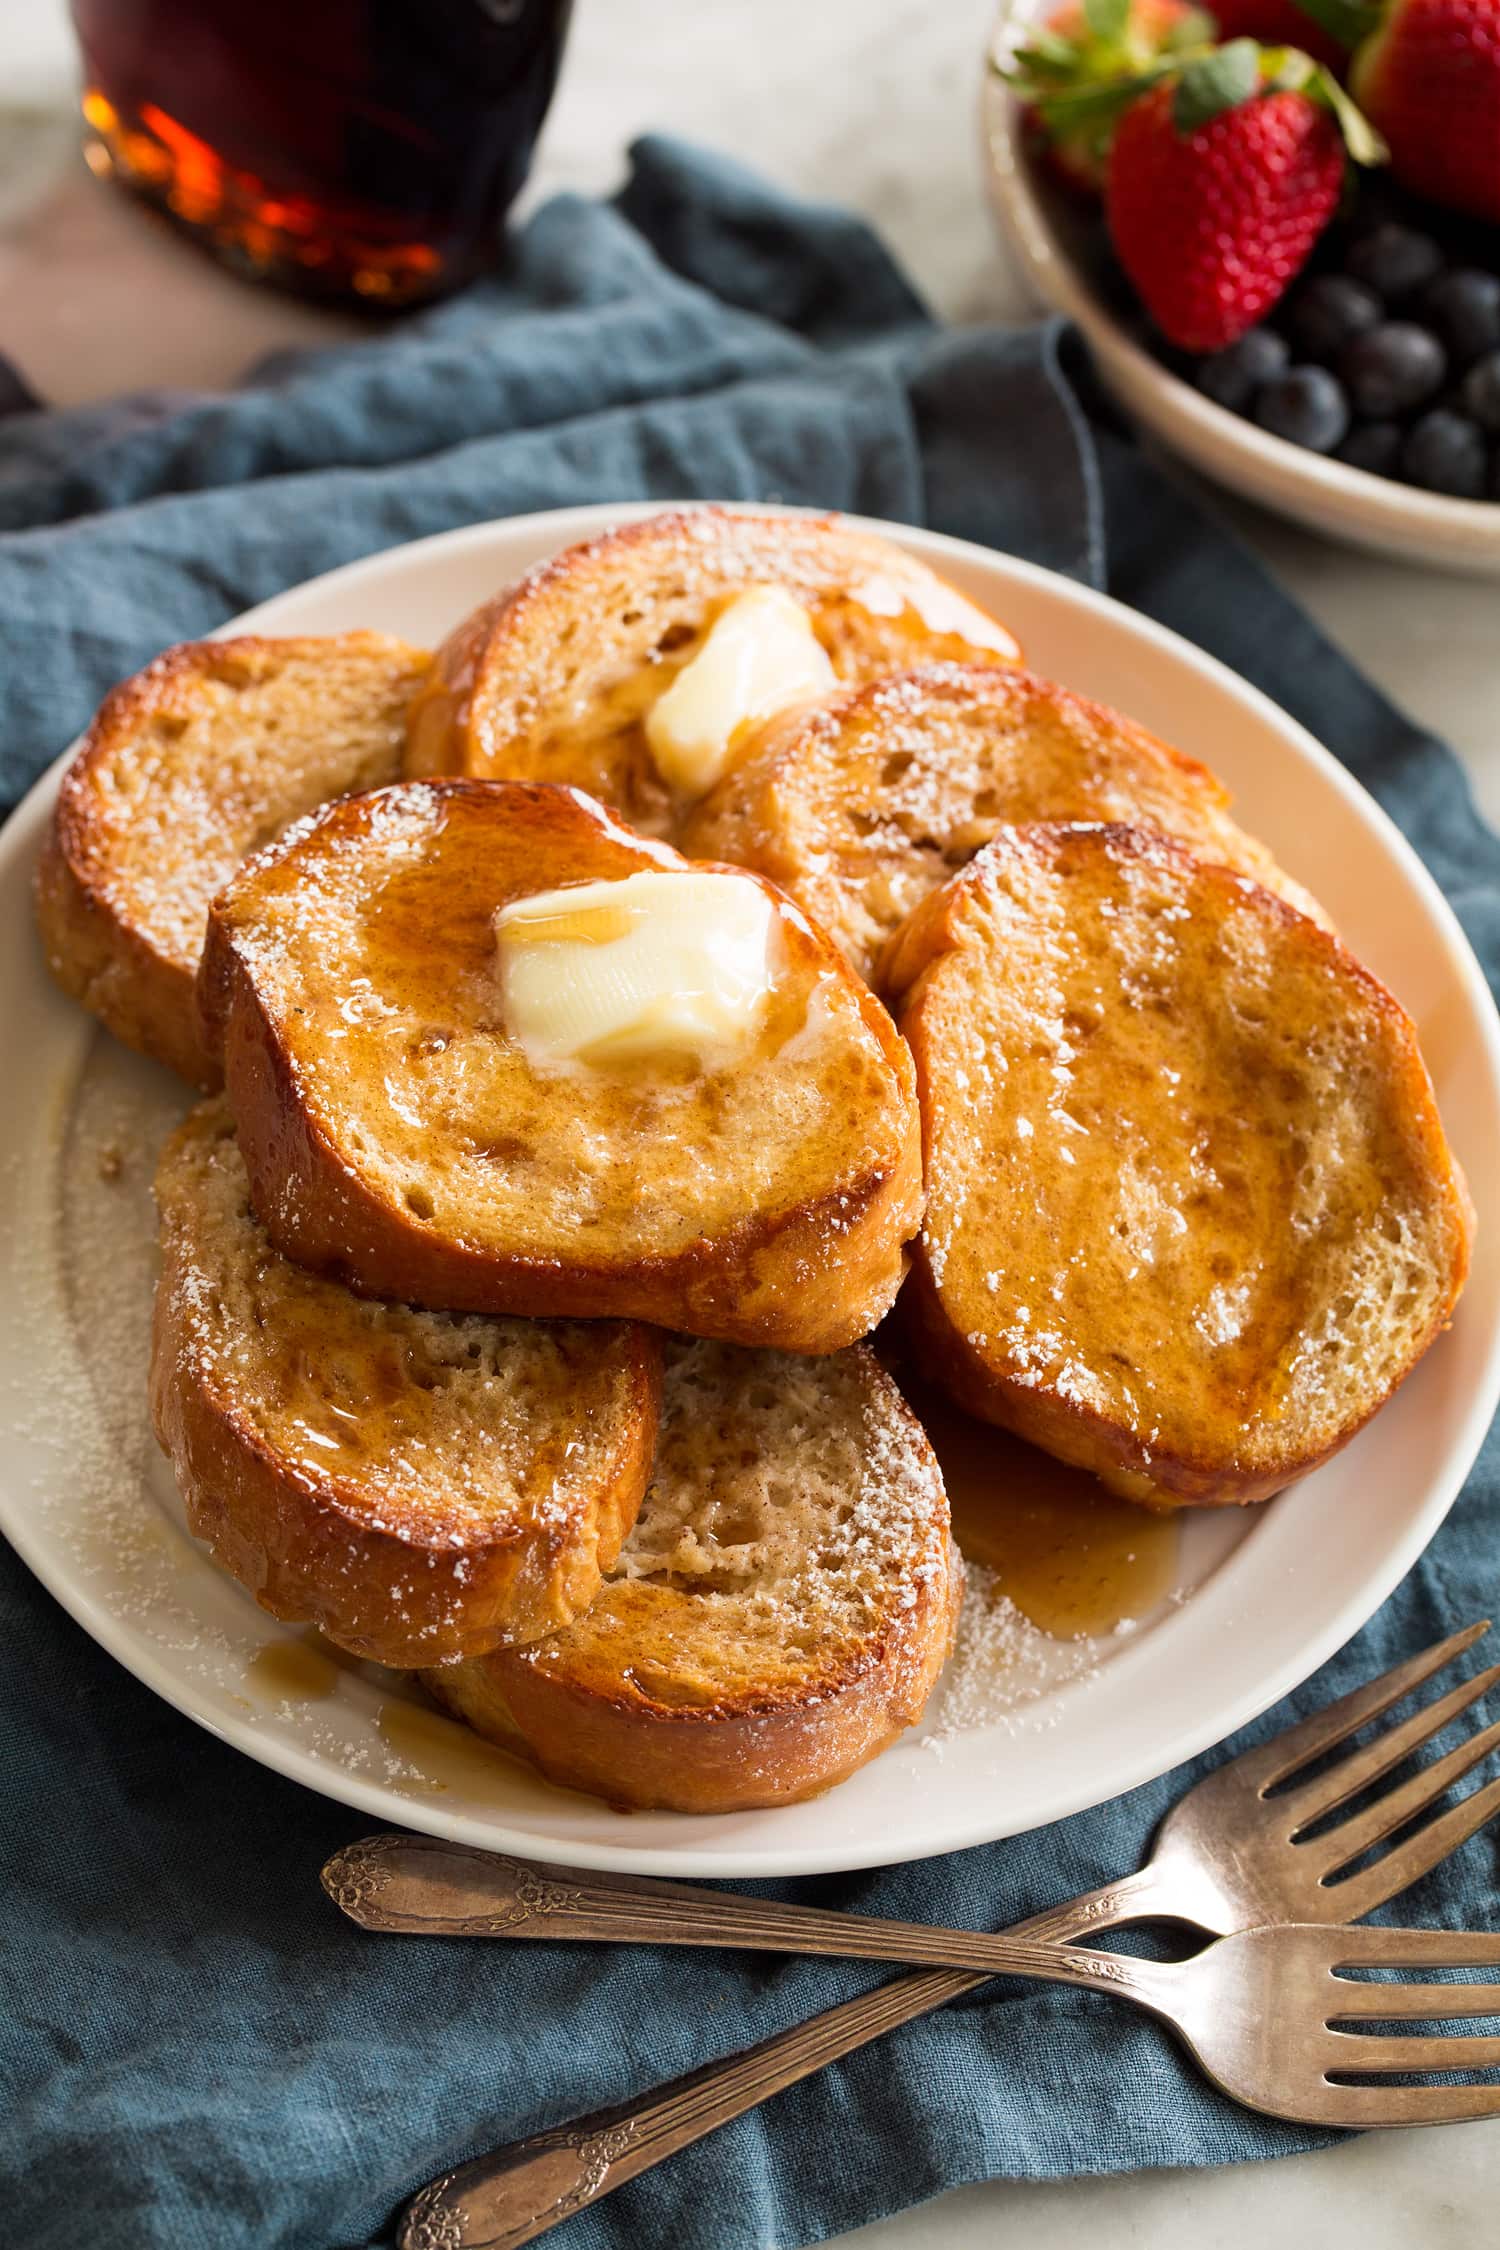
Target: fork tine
1398, 1806
1274, 1760
1360, 1894
1430, 2002
1361, 1767
1364, 2106
1417, 2055
1375, 1947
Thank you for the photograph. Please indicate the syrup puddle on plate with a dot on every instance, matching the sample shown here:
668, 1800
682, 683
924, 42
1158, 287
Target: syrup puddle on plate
445, 1754
436, 1752
1073, 1559
298, 1671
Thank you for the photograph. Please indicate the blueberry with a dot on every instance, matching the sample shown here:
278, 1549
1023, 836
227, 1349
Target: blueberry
1464, 308
1330, 309
1306, 406
1480, 391
1445, 452
1394, 260
1372, 445
1232, 377
1391, 368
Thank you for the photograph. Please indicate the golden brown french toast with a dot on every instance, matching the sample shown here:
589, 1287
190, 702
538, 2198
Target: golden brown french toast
416, 1484
861, 805
1191, 1213
779, 1614
554, 679
204, 756
398, 1133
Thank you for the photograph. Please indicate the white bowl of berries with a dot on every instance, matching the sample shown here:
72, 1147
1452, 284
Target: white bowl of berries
1285, 261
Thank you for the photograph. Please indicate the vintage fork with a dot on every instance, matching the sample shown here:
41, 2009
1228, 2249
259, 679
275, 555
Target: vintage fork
1226, 1858
1269, 2014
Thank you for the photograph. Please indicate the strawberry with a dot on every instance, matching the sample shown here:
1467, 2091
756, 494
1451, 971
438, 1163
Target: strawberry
1278, 23
1088, 44
1223, 173
1428, 78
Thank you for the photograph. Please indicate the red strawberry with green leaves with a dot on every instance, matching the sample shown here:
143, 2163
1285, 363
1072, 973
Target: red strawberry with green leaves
1427, 74
1091, 43
1224, 171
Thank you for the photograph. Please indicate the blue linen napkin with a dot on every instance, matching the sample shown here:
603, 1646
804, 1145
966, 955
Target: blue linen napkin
200, 2054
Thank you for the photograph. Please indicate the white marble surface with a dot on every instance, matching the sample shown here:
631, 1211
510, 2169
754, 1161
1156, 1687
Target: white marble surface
871, 102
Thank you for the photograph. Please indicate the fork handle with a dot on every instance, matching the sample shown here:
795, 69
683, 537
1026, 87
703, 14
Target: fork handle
425, 1886
514, 2193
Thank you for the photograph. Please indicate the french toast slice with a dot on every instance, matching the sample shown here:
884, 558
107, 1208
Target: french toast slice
397, 1134
863, 804
1191, 1213
552, 681
418, 1485
780, 1612
195, 762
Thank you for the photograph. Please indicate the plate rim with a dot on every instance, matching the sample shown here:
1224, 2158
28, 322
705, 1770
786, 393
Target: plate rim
1170, 1745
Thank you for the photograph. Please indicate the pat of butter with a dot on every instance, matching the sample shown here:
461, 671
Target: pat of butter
629, 971
760, 657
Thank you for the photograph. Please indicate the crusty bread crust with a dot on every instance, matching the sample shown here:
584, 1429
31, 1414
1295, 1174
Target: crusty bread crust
202, 757
1192, 1216
418, 1486
861, 805
767, 1205
551, 680
781, 1612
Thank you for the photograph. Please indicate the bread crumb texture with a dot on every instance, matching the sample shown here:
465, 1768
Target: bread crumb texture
218, 746
780, 1613
415, 1481
795, 1509
862, 805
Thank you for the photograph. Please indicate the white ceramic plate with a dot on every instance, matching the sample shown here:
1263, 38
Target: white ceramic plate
1327, 496
1263, 1596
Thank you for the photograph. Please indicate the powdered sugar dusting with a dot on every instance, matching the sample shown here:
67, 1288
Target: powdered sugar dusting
1002, 1666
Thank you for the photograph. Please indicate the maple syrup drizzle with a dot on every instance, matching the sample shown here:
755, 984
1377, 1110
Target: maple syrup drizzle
293, 1669
593, 925
446, 1754
1075, 1560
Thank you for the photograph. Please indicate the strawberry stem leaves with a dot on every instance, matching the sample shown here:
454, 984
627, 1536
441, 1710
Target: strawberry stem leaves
1348, 21
1288, 70
1210, 80
1212, 83
1107, 19
1085, 105
1360, 137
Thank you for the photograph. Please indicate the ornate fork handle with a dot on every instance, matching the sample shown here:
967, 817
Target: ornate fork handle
421, 1885
513, 2194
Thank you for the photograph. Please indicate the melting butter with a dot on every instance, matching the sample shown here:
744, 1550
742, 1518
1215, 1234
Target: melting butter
652, 965
760, 657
